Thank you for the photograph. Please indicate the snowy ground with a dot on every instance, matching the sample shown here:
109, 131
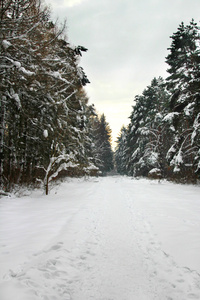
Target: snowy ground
113, 238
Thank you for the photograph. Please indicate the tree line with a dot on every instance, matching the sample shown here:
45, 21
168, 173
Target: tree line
162, 139
48, 129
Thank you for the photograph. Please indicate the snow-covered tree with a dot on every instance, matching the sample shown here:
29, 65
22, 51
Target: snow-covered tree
120, 151
18, 67
145, 136
43, 106
184, 104
163, 137
102, 144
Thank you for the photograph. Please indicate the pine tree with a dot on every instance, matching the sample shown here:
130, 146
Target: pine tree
102, 141
18, 68
145, 136
43, 107
120, 151
163, 136
183, 84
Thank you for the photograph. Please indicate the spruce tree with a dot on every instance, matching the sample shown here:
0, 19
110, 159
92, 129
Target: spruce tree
103, 144
183, 84
145, 136
43, 107
121, 151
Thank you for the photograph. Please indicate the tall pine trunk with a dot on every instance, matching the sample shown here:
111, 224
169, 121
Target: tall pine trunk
2, 130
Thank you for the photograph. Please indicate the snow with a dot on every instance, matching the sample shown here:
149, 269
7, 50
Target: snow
62, 167
177, 161
170, 116
158, 116
188, 110
154, 171
17, 99
26, 72
6, 44
143, 131
153, 158
104, 238
171, 150
172, 128
57, 75
91, 167
17, 64
45, 133
196, 127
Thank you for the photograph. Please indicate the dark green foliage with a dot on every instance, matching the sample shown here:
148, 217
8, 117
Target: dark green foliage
145, 135
184, 86
44, 120
103, 144
121, 152
163, 137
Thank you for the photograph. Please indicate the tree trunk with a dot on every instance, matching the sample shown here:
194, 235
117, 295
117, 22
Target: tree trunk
2, 128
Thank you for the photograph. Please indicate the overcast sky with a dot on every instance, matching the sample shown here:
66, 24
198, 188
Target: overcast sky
127, 43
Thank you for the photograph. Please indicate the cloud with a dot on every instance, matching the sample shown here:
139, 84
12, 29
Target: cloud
58, 5
127, 43
71, 3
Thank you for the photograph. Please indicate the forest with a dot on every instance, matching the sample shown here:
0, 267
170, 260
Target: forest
48, 128
162, 139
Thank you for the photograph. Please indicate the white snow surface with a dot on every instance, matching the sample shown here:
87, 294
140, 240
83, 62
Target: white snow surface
112, 238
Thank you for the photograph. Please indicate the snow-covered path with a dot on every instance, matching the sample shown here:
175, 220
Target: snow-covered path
108, 238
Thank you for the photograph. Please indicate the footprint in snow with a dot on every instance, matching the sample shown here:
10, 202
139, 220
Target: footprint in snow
55, 247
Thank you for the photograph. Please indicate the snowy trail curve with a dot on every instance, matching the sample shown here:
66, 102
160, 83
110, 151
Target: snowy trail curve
103, 239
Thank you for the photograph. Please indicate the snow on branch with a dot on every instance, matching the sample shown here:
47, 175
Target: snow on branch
170, 116
6, 44
57, 75
17, 100
63, 167
196, 127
